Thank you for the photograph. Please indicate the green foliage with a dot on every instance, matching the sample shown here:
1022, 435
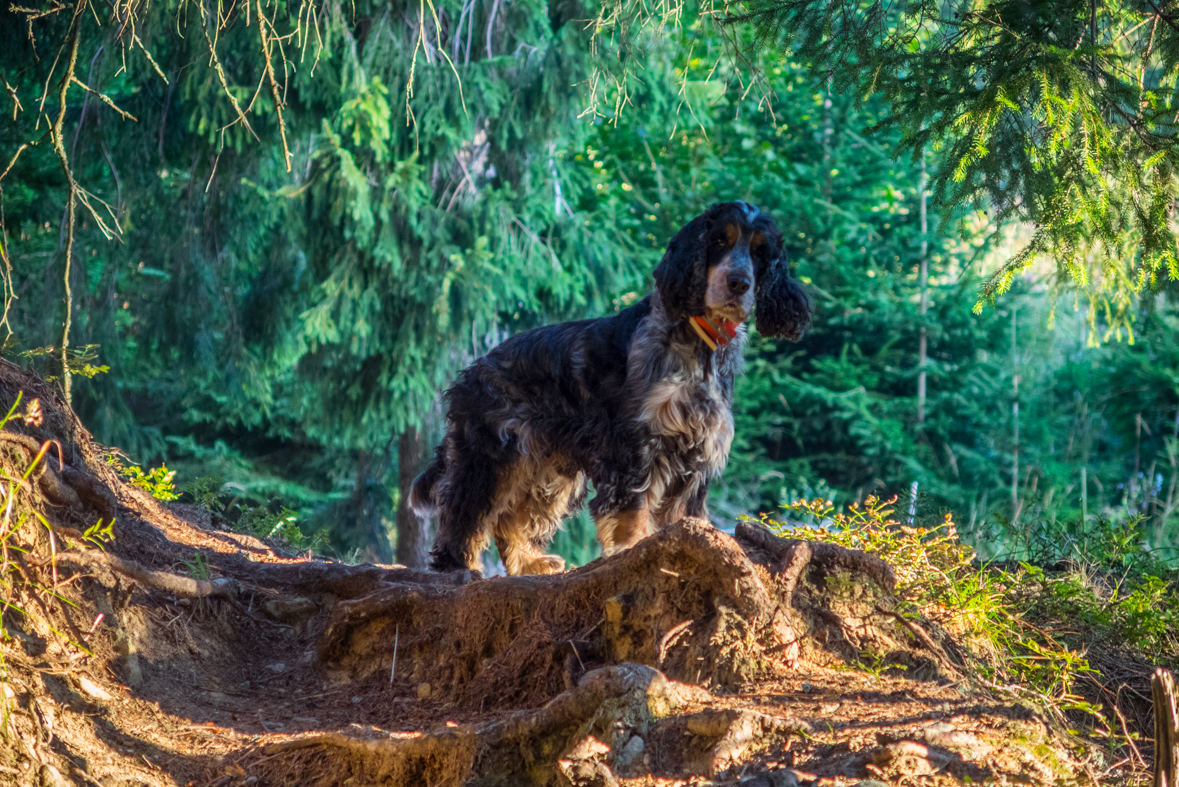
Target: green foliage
204, 490
157, 482
198, 567
77, 360
1029, 632
1054, 112
281, 526
100, 534
278, 329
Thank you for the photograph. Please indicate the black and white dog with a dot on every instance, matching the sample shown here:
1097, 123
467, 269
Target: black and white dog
639, 402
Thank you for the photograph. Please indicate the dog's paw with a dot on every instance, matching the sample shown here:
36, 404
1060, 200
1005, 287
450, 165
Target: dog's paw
543, 564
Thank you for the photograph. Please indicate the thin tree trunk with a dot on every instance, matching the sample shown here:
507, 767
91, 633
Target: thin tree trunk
370, 507
413, 542
1014, 420
1166, 730
923, 275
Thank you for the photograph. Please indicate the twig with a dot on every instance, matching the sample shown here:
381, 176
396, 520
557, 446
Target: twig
72, 190
221, 72
104, 98
393, 669
16, 155
491, 25
135, 40
278, 103
1126, 733
16, 105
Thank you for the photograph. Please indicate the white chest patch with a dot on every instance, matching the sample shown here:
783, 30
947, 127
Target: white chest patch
691, 415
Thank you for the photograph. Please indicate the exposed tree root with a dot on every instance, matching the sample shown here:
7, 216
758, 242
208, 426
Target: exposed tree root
185, 587
612, 704
582, 678
688, 601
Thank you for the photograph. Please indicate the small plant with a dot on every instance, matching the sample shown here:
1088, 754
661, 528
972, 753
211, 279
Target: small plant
158, 482
279, 527
205, 491
198, 567
99, 534
77, 361
989, 612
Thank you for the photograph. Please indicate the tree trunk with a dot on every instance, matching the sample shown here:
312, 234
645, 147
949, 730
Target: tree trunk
1166, 730
413, 542
923, 276
369, 508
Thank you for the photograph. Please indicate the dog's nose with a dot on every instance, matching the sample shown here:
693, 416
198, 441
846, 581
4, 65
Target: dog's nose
739, 283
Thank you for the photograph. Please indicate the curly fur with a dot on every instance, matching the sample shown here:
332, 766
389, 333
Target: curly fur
637, 402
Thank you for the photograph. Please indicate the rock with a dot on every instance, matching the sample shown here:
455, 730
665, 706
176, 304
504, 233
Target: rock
909, 758
423, 691
628, 761
277, 667
969, 745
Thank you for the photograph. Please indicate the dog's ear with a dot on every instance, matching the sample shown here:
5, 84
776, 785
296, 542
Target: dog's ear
783, 308
682, 275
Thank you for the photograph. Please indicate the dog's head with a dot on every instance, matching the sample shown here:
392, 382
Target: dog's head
728, 262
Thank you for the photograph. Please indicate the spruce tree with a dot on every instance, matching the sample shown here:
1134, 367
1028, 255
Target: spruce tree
1059, 113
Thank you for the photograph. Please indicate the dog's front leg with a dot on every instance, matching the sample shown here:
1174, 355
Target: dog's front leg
622, 520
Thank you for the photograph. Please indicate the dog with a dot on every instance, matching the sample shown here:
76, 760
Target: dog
640, 403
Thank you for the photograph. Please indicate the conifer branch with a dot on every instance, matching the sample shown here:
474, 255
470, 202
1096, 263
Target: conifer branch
55, 133
104, 98
216, 63
16, 105
278, 103
15, 156
136, 42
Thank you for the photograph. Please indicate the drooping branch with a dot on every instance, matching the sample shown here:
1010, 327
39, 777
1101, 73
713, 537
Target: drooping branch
55, 131
267, 39
216, 62
104, 98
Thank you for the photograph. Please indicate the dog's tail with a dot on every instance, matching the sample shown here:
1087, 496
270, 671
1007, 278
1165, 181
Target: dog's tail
423, 492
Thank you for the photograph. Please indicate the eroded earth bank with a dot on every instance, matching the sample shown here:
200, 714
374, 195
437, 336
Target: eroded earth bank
180, 654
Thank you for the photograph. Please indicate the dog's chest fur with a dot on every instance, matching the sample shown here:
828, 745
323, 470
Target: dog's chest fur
682, 397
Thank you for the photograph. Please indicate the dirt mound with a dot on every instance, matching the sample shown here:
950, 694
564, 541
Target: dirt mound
180, 654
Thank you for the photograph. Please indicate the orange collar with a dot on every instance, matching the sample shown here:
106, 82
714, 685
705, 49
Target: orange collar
715, 333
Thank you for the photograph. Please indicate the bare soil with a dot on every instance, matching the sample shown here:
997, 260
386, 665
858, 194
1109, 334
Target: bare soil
179, 654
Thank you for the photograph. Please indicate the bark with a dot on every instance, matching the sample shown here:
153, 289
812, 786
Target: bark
1166, 730
413, 540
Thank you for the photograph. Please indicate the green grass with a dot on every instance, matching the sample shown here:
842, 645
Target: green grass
1029, 631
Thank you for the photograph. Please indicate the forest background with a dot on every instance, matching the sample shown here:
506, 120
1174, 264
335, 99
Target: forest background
271, 305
